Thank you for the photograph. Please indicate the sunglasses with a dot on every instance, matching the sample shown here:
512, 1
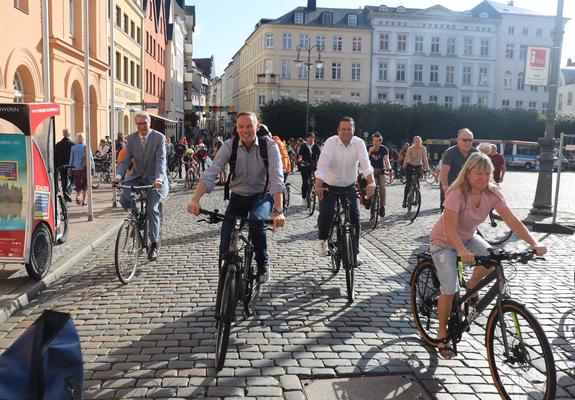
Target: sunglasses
466, 140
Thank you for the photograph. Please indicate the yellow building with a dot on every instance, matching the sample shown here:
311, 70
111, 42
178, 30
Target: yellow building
340, 38
128, 56
21, 73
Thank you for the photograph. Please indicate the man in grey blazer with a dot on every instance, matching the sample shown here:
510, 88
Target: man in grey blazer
146, 152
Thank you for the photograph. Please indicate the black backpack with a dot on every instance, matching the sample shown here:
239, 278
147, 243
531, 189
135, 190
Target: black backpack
263, 136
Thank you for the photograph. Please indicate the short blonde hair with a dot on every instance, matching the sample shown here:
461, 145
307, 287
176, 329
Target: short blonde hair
80, 138
484, 147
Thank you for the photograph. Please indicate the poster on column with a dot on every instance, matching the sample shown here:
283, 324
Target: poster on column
14, 208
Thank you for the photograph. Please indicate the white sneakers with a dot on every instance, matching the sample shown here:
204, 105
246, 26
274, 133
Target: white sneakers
322, 248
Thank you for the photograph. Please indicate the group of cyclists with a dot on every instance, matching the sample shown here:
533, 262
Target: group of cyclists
256, 182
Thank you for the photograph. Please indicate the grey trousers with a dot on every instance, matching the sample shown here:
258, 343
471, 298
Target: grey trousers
153, 208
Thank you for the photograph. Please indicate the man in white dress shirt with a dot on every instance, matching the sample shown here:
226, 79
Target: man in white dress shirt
337, 172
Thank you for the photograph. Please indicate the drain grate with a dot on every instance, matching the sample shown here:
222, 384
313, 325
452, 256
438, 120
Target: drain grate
365, 388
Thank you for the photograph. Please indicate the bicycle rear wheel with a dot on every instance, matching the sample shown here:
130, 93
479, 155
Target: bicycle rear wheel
127, 251
413, 203
374, 209
494, 230
349, 264
389, 177
425, 293
528, 369
225, 314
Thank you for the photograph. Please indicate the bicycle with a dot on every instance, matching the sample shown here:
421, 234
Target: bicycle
311, 197
132, 238
375, 205
286, 195
342, 248
431, 176
414, 195
103, 171
237, 280
67, 170
192, 173
512, 332
494, 230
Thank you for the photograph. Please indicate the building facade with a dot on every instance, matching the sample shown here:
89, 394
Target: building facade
128, 17
155, 57
190, 117
176, 32
565, 103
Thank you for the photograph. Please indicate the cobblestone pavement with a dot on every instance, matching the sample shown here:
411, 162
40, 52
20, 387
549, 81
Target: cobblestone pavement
154, 338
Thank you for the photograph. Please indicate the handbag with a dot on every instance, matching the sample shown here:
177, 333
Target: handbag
45, 362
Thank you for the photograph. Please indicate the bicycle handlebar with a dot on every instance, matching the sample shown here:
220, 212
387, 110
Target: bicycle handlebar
497, 256
135, 187
215, 217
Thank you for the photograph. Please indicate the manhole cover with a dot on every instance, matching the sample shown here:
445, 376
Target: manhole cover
365, 388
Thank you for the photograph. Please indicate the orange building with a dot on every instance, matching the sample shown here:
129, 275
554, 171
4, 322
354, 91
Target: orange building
155, 55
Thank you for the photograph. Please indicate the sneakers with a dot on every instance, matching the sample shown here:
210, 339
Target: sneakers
382, 212
367, 203
263, 274
153, 252
359, 261
322, 248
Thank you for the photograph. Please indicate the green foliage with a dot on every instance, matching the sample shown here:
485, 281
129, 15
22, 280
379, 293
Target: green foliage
397, 123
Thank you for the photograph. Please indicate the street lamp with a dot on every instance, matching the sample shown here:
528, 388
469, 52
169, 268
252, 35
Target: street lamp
308, 63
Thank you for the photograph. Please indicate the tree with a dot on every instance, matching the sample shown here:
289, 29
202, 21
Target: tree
284, 117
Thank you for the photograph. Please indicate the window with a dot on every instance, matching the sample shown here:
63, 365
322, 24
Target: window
337, 43
399, 98
418, 73
269, 40
21, 5
320, 73
468, 46
539, 32
302, 71
132, 73
287, 41
298, 18
139, 35
465, 101
401, 42
352, 20
268, 66
18, 88
336, 95
482, 101
435, 44
286, 69
533, 88
509, 48
355, 72
451, 45
520, 81
511, 30
261, 97
354, 97
418, 44
381, 97
356, 45
544, 107
569, 98
484, 48
483, 76
522, 52
525, 31
301, 95
434, 73
317, 96
138, 76
118, 66
400, 73
126, 69
284, 93
126, 22
132, 30
336, 71
320, 42
326, 18
432, 99
70, 17
118, 15
450, 74
532, 106
417, 99
505, 104
507, 80
384, 41
519, 104
560, 102
448, 102
382, 71
466, 75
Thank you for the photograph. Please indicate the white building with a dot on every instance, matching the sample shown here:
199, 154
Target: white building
175, 33
565, 103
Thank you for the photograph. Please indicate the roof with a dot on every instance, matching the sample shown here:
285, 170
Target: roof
568, 75
205, 65
314, 18
502, 9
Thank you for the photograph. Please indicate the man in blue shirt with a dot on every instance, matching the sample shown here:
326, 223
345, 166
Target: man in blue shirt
379, 159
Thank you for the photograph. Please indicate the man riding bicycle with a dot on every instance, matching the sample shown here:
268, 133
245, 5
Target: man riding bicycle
255, 189
379, 159
308, 154
146, 157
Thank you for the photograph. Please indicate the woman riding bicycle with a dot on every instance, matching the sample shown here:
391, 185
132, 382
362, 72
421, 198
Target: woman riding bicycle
467, 204
415, 157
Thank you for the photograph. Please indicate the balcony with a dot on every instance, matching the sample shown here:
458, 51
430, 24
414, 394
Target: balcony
270, 79
188, 50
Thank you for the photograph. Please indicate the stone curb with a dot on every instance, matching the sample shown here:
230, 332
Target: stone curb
56, 272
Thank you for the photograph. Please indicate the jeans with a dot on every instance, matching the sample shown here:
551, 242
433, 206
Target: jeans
257, 207
327, 210
410, 176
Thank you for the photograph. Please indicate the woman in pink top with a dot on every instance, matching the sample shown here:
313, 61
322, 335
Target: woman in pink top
467, 204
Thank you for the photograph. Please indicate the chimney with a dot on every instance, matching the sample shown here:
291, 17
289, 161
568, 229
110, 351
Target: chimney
310, 5
570, 63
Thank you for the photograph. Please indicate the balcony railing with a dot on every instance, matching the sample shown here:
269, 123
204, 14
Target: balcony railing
268, 78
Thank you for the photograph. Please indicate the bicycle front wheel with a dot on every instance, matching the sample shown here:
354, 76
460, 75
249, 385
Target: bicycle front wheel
333, 249
286, 197
127, 251
252, 289
350, 264
494, 230
413, 203
225, 314
425, 293
527, 368
374, 209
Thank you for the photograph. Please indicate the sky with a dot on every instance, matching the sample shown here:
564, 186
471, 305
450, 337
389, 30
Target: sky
223, 26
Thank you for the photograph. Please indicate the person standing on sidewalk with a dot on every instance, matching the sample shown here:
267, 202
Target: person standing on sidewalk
61, 159
80, 167
499, 165
308, 153
337, 171
256, 186
146, 156
453, 160
379, 159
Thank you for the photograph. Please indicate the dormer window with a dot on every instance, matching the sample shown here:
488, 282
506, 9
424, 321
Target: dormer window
382, 8
298, 18
327, 18
400, 9
467, 13
352, 20
483, 15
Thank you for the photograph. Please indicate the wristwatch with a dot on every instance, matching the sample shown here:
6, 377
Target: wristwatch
278, 210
